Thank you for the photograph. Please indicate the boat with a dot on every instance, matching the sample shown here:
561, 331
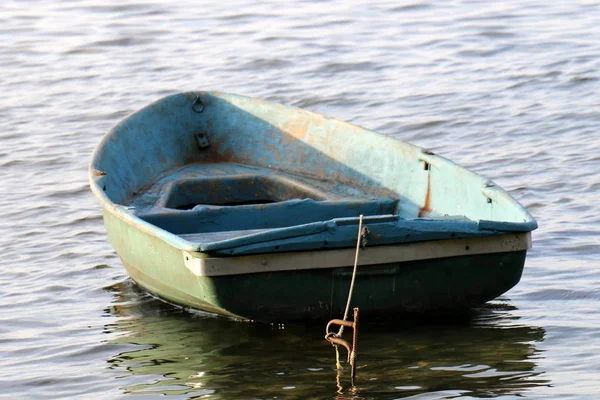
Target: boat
251, 209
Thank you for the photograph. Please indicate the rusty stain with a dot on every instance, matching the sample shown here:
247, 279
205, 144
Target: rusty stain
426, 209
99, 173
192, 95
429, 153
298, 127
226, 155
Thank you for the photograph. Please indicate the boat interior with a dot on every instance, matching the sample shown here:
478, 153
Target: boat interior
220, 201
222, 171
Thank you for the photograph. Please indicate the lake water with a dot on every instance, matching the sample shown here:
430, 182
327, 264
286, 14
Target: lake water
508, 89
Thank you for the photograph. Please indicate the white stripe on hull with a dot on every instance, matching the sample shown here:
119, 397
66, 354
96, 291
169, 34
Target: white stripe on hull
274, 262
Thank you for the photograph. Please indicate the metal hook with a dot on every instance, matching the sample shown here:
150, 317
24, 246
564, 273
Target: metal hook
336, 340
197, 105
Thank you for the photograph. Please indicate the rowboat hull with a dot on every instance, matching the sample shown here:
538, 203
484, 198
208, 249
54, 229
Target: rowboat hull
424, 282
250, 209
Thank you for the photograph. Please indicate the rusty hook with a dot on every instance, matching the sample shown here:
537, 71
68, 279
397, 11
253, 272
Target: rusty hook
336, 340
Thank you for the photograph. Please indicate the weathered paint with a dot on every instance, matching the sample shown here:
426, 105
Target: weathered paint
301, 180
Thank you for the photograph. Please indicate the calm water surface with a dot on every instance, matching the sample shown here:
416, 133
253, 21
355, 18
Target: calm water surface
509, 89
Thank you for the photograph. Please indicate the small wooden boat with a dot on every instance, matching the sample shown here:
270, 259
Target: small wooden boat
250, 209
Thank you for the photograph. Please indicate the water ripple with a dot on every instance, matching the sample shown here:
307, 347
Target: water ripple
507, 89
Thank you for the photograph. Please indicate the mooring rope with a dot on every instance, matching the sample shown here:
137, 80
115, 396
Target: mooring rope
351, 290
336, 338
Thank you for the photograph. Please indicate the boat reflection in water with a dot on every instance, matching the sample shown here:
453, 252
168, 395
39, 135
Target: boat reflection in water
188, 355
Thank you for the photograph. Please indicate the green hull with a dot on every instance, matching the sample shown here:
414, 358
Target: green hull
251, 209
441, 285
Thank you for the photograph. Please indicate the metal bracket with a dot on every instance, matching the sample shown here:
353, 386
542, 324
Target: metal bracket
197, 105
336, 340
202, 140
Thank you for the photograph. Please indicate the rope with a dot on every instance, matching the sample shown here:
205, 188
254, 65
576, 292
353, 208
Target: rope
351, 290
336, 338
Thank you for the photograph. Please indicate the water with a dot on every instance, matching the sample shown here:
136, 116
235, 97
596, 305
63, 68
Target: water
508, 89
